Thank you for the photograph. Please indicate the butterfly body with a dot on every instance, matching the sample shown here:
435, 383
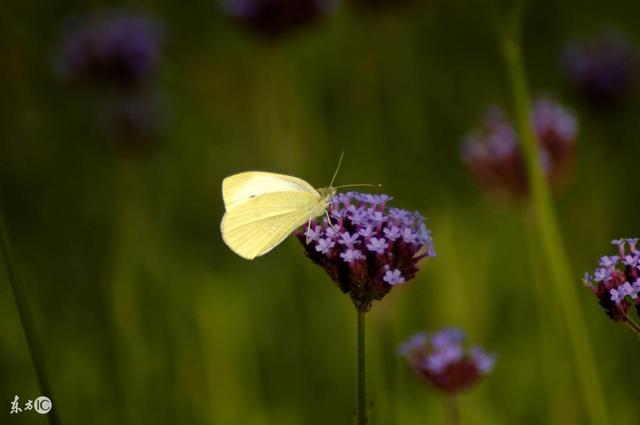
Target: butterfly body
262, 209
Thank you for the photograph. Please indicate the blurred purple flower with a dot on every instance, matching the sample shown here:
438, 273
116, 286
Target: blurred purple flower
355, 248
442, 360
616, 282
493, 155
115, 48
603, 69
274, 18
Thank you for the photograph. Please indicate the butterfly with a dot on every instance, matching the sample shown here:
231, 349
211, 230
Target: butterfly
262, 209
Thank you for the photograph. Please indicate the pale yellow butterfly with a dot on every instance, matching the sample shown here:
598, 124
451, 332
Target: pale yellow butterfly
262, 209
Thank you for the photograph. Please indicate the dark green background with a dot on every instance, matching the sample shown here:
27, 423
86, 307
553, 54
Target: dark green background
147, 318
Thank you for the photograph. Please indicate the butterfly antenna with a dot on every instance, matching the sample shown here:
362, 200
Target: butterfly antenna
358, 184
337, 168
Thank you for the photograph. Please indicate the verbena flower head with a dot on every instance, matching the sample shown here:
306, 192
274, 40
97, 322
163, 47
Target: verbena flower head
274, 18
367, 248
442, 360
603, 69
493, 154
616, 281
116, 48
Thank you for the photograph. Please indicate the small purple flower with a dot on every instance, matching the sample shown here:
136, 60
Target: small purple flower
347, 239
359, 217
424, 235
392, 233
606, 261
377, 217
351, 255
372, 249
600, 275
332, 232
602, 69
339, 215
493, 156
393, 277
616, 283
275, 18
398, 215
313, 234
617, 295
409, 236
632, 290
443, 361
324, 245
366, 232
377, 245
382, 199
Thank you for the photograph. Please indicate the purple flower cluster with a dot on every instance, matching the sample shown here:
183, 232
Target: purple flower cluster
274, 18
441, 360
114, 48
365, 247
616, 282
493, 156
602, 69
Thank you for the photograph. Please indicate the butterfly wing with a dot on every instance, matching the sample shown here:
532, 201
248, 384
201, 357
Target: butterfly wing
242, 187
257, 225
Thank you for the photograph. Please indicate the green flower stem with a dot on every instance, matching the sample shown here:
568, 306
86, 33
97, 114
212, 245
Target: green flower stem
451, 407
632, 325
550, 238
362, 397
26, 320
555, 385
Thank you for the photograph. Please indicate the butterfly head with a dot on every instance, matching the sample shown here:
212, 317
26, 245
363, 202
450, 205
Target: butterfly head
326, 193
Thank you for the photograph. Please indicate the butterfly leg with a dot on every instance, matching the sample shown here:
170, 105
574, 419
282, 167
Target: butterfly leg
307, 232
329, 220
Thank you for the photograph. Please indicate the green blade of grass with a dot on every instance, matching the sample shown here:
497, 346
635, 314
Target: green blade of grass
551, 240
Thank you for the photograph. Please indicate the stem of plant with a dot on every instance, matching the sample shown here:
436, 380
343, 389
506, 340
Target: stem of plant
362, 397
631, 324
26, 320
451, 407
557, 386
550, 237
